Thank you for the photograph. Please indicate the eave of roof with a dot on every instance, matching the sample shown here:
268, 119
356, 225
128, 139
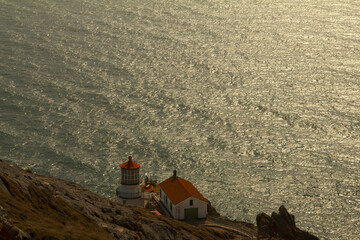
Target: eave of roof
178, 189
130, 164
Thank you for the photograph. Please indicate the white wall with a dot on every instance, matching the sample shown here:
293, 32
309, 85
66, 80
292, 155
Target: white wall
163, 200
178, 210
197, 203
133, 202
130, 191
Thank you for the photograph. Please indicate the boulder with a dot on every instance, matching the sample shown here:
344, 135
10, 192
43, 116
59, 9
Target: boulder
8, 230
281, 225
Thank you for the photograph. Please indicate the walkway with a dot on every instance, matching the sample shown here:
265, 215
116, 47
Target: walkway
164, 210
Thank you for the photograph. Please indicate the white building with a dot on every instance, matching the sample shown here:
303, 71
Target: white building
129, 191
182, 199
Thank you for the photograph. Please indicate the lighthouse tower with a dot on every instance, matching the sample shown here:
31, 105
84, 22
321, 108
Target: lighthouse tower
129, 191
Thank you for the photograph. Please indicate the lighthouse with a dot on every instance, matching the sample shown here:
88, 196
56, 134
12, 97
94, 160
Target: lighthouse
129, 191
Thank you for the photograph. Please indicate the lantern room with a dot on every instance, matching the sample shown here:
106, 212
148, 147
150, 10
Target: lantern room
130, 172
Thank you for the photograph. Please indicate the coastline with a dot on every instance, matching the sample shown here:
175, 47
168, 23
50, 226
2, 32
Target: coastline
38, 207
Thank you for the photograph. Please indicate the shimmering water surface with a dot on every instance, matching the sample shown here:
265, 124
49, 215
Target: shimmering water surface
255, 102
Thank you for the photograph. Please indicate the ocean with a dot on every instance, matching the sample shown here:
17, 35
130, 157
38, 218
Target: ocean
257, 103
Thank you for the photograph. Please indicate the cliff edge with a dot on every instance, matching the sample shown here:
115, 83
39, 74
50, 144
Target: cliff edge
45, 208
38, 207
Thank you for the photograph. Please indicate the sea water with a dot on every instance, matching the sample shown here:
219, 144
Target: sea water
257, 103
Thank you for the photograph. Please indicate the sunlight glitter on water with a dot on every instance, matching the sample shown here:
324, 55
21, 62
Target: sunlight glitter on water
257, 101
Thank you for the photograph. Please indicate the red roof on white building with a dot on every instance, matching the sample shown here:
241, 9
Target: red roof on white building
130, 164
178, 189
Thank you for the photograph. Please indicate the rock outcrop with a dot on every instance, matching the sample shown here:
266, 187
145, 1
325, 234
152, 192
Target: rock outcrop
45, 208
280, 225
38, 207
8, 231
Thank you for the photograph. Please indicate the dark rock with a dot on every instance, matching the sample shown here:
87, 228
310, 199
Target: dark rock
49, 238
266, 226
118, 211
157, 230
8, 230
106, 210
212, 211
51, 208
280, 225
123, 234
125, 222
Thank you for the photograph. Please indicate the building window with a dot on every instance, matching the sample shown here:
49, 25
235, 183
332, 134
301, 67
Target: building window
191, 202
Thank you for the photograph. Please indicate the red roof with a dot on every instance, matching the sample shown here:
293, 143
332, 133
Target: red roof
178, 190
130, 164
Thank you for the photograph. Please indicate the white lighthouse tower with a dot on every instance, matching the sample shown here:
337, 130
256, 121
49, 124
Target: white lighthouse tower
129, 191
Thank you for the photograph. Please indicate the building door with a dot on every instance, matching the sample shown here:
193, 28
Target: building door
190, 213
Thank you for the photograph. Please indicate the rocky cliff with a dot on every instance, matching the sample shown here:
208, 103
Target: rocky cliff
280, 225
38, 207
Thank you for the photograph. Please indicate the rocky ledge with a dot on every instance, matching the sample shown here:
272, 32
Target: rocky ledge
280, 225
38, 207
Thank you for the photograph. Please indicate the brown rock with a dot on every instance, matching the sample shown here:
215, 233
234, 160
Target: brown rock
50, 208
8, 230
280, 225
265, 226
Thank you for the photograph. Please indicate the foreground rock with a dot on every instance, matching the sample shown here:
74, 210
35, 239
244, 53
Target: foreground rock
7, 228
47, 208
280, 225
44, 208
